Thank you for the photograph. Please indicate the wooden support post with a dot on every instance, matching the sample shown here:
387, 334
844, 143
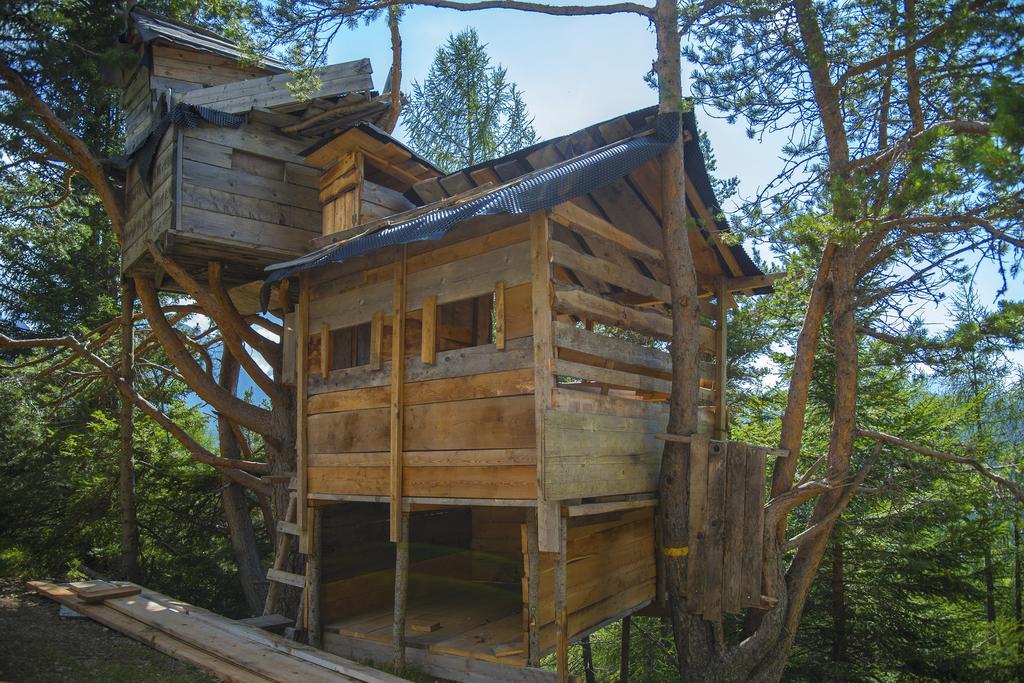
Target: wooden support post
314, 572
301, 406
401, 593
532, 588
397, 392
561, 604
377, 341
126, 470
721, 363
499, 316
428, 345
325, 350
627, 622
543, 357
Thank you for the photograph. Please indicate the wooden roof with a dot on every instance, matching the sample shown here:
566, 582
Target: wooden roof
149, 27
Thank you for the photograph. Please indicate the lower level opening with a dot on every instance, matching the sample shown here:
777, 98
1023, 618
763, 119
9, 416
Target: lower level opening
465, 589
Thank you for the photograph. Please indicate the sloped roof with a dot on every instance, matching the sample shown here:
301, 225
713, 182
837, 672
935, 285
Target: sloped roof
600, 162
150, 27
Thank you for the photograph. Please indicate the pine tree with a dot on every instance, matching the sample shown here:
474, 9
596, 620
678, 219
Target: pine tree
466, 111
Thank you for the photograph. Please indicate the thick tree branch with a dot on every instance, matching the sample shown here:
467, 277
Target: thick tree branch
985, 471
394, 16
873, 162
231, 325
77, 151
250, 416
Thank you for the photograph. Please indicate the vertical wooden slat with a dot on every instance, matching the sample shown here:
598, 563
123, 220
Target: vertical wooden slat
428, 345
721, 365
301, 404
313, 577
735, 501
561, 605
532, 588
401, 592
753, 528
397, 395
543, 356
326, 350
499, 316
697, 521
713, 543
377, 341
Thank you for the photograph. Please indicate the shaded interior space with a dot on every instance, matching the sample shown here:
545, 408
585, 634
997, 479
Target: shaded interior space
465, 579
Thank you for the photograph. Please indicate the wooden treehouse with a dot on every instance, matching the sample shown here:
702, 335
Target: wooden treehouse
480, 358
484, 379
216, 171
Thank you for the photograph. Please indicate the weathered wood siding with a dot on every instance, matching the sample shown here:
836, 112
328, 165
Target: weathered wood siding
468, 415
610, 397
611, 571
150, 206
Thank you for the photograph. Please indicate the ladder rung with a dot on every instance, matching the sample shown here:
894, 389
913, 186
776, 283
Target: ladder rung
288, 528
279, 576
282, 478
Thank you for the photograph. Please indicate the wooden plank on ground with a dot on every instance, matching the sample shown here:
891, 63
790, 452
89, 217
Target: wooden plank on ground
98, 591
156, 639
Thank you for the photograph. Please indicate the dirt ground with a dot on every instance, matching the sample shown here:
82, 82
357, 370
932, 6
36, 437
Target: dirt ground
38, 645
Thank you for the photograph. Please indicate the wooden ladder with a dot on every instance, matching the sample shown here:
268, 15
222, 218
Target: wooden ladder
276, 575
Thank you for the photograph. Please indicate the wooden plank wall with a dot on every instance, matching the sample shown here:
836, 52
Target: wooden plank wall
174, 71
468, 415
248, 188
611, 570
726, 518
150, 207
610, 399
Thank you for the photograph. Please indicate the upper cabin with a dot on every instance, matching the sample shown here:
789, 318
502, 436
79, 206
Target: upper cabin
486, 377
215, 145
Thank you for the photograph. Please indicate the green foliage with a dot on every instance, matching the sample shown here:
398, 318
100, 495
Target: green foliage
466, 111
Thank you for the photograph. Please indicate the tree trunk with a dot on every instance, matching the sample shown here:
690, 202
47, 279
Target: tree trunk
126, 471
237, 514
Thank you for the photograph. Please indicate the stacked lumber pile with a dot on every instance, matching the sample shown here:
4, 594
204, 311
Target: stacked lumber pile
224, 648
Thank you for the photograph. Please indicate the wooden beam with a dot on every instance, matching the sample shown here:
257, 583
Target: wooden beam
532, 589
624, 650
740, 284
721, 361
499, 316
561, 605
377, 341
573, 217
587, 509
301, 406
314, 565
428, 346
397, 387
326, 350
543, 355
401, 593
